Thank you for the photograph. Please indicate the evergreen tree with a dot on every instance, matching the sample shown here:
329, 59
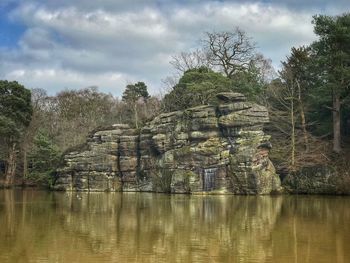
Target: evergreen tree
332, 54
15, 116
43, 159
132, 95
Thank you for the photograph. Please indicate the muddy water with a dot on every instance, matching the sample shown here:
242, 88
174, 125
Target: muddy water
40, 226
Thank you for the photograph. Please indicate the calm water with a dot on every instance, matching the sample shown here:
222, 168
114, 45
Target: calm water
140, 227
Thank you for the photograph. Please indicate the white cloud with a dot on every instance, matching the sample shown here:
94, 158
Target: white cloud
55, 80
77, 44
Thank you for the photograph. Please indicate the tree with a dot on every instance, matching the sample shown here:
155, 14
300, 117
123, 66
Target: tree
332, 52
196, 87
282, 110
73, 113
44, 159
190, 60
230, 52
38, 98
15, 116
296, 74
133, 95
253, 81
233, 54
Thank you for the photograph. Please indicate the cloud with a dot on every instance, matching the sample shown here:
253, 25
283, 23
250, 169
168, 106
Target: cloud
109, 43
56, 80
275, 30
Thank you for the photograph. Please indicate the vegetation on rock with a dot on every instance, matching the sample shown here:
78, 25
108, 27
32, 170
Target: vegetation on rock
196, 87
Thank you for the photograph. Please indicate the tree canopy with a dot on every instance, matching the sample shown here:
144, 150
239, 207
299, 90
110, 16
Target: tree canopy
133, 95
196, 87
133, 92
332, 56
230, 51
15, 110
15, 116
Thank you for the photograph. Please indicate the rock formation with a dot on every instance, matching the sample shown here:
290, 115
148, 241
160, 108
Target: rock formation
217, 149
320, 179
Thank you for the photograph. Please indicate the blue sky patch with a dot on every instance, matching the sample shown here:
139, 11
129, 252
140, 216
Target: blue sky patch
10, 31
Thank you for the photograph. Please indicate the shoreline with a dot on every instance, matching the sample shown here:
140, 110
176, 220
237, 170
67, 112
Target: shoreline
282, 193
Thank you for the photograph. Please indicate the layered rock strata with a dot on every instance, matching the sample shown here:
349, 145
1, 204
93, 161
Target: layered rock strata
216, 149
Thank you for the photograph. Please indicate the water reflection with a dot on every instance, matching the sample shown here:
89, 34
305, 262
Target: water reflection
140, 227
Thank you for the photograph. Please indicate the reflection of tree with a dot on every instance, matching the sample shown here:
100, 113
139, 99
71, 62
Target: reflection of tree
309, 227
191, 227
140, 227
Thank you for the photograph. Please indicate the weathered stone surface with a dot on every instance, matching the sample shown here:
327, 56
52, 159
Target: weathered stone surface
217, 149
316, 180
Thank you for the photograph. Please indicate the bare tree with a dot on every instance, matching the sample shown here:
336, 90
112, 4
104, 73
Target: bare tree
282, 111
168, 83
265, 67
190, 60
295, 70
230, 52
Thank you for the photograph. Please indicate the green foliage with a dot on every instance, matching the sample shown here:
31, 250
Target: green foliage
134, 96
319, 103
331, 59
133, 92
312, 96
332, 50
196, 87
15, 111
250, 83
44, 159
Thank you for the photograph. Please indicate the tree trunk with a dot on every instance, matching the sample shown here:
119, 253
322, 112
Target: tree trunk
303, 126
302, 117
11, 166
336, 123
292, 120
136, 116
24, 150
292, 135
25, 165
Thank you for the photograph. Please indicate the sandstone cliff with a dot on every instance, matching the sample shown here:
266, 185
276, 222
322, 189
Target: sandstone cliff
217, 149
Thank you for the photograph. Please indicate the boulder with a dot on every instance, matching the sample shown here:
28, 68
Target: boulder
321, 179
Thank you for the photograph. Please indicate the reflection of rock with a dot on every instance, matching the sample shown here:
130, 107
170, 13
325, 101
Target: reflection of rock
180, 228
146, 227
162, 227
220, 149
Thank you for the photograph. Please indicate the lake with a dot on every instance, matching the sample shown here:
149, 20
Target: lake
39, 226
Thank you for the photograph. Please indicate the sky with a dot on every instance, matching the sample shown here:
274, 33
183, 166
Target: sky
72, 44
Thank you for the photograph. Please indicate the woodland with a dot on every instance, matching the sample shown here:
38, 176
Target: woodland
308, 100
